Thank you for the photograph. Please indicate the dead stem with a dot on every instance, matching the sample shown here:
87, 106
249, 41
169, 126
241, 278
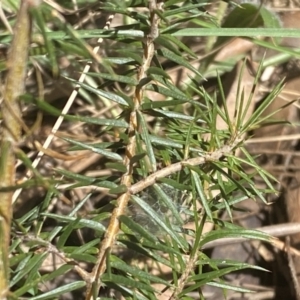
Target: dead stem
11, 131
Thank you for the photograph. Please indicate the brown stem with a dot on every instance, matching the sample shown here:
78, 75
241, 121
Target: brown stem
176, 167
122, 201
11, 131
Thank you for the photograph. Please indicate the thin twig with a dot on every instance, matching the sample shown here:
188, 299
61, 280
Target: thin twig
196, 161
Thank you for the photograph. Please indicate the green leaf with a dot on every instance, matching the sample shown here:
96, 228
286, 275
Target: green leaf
106, 184
137, 58
161, 104
166, 92
179, 60
137, 157
66, 233
60, 271
119, 60
95, 149
76, 176
83, 257
183, 8
221, 263
146, 249
200, 191
206, 277
60, 290
235, 233
136, 228
246, 32
162, 41
230, 287
27, 265
147, 140
88, 247
108, 95
89, 120
119, 189
137, 272
254, 120
286, 53
117, 166
264, 174
157, 219
158, 71
82, 222
48, 42
245, 15
125, 281
169, 196
174, 115
271, 20
179, 44
170, 143
115, 77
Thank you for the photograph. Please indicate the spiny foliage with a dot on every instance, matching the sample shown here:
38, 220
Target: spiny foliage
158, 144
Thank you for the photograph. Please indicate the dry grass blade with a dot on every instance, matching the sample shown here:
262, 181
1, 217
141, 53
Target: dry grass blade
11, 131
